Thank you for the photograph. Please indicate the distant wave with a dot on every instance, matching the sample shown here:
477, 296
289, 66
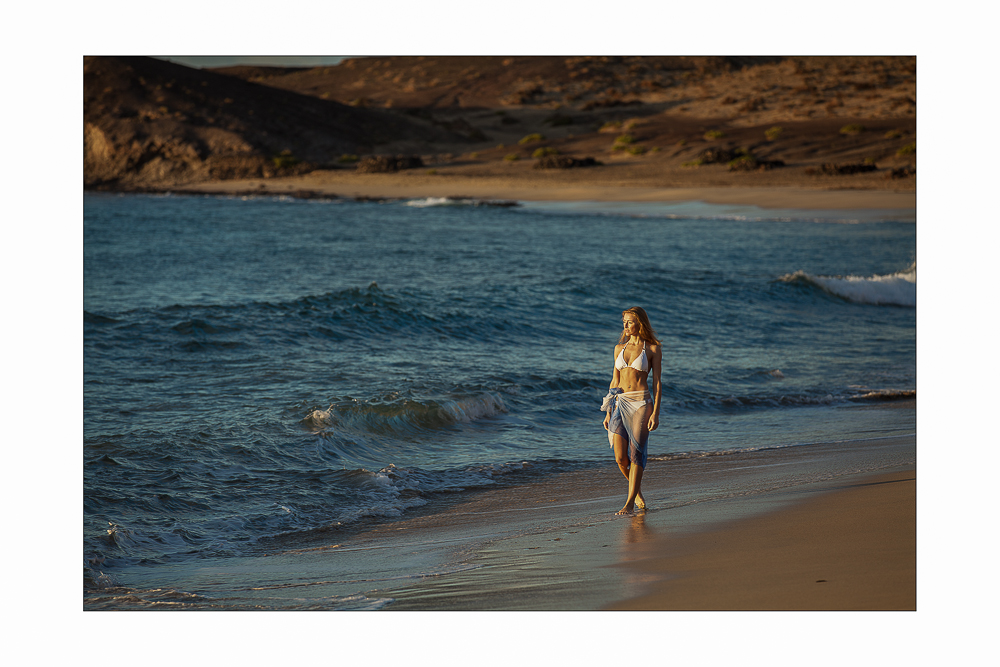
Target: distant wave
336, 315
698, 210
886, 395
436, 201
734, 402
459, 201
895, 289
702, 454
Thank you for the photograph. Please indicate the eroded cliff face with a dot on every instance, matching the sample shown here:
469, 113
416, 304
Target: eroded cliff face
131, 154
151, 123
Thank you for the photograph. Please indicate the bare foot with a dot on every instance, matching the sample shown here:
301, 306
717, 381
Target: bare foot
625, 511
640, 503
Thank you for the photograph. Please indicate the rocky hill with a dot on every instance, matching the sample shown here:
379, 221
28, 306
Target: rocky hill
150, 123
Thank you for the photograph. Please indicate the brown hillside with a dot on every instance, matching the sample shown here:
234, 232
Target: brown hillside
753, 89
808, 121
780, 109
149, 122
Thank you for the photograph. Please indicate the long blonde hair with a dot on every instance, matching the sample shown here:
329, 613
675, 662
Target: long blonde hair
645, 329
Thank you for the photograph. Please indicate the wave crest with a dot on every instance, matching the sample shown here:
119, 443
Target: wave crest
895, 289
404, 415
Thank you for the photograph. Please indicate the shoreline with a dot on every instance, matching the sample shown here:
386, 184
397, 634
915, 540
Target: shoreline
550, 187
576, 555
555, 544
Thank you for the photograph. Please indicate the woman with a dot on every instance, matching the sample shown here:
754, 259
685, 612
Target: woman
632, 410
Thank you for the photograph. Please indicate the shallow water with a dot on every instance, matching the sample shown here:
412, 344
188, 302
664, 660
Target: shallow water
266, 368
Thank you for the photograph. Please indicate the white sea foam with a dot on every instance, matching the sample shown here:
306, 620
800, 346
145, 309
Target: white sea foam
435, 201
318, 419
895, 289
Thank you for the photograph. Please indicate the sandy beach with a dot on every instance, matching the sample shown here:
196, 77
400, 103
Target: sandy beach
740, 533
853, 548
848, 543
533, 186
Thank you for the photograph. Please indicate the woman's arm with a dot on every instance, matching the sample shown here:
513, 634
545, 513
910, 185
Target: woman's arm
615, 377
615, 373
654, 419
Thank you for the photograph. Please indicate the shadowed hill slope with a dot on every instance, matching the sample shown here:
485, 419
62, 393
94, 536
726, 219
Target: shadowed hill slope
152, 122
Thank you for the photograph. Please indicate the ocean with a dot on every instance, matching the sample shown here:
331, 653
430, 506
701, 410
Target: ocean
267, 373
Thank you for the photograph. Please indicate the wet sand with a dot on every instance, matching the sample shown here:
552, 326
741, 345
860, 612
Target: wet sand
853, 548
755, 532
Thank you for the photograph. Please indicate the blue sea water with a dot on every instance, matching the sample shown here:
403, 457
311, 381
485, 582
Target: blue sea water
261, 367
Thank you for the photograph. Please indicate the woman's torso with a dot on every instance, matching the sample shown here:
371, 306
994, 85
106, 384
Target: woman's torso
633, 364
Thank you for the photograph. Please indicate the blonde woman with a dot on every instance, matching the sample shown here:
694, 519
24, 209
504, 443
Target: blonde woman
632, 409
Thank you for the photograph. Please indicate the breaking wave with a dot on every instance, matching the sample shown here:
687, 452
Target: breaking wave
405, 415
895, 289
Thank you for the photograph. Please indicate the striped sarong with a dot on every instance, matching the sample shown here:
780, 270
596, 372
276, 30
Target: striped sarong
629, 420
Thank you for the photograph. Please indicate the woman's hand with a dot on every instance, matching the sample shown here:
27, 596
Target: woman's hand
654, 421
607, 420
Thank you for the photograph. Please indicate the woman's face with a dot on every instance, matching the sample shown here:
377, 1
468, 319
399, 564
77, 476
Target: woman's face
631, 324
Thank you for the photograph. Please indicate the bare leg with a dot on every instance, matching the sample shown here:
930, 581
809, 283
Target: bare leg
634, 482
633, 473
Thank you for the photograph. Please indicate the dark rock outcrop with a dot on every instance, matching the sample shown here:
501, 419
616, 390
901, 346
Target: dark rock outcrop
831, 169
717, 155
385, 164
902, 172
564, 162
753, 163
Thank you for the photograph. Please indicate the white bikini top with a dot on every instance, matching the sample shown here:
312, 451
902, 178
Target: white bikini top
641, 360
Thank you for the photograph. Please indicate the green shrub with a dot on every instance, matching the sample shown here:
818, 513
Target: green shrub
622, 142
510, 157
284, 159
542, 152
432, 172
853, 128
682, 142
908, 149
610, 125
636, 149
774, 132
654, 149
347, 157
532, 138
893, 134
714, 134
